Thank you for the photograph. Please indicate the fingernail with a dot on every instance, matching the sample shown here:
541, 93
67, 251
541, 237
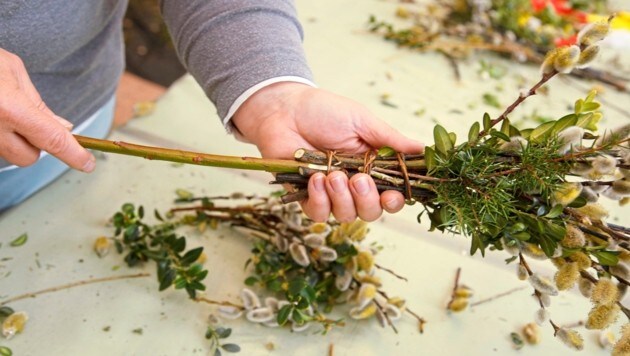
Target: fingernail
67, 124
338, 184
361, 185
89, 165
391, 204
318, 184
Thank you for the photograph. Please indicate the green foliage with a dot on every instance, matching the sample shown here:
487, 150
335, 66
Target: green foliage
159, 243
500, 194
216, 335
19, 241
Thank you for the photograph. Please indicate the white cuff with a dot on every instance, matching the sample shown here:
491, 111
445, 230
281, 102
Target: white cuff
249, 92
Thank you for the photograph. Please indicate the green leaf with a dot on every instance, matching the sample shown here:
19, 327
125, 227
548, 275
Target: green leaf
522, 236
5, 351
296, 285
442, 140
578, 106
589, 121
251, 280
526, 133
473, 133
548, 245
505, 127
563, 123
541, 132
167, 279
128, 208
223, 333
308, 293
19, 241
487, 122
606, 258
6, 311
141, 212
500, 135
275, 285
284, 313
429, 158
453, 137
386, 151
231, 348
157, 215
592, 106
578, 202
476, 244
179, 244
183, 194
191, 256
555, 211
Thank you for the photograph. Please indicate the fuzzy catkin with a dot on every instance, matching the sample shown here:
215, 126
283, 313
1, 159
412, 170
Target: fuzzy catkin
570, 338
567, 275
605, 292
542, 284
601, 316
574, 238
586, 287
582, 259
622, 347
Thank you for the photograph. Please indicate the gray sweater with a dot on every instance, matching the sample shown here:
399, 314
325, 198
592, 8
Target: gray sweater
73, 49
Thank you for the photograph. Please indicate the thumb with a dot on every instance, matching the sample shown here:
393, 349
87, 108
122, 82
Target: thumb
377, 134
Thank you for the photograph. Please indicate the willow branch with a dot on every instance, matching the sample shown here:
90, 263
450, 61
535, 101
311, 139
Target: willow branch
71, 285
188, 157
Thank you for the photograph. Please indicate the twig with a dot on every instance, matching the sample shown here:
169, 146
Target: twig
188, 157
389, 320
72, 285
500, 295
455, 286
220, 303
532, 91
331, 349
390, 272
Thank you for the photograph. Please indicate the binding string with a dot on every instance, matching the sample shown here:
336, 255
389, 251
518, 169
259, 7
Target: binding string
403, 168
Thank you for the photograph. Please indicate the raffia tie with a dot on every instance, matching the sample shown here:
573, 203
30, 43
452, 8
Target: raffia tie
403, 168
329, 156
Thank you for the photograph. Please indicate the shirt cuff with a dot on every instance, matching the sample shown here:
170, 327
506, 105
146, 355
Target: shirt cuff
229, 127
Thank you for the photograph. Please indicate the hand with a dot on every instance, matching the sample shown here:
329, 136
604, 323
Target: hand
286, 116
27, 125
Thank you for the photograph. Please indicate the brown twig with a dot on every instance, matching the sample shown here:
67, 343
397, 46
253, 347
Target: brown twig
220, 303
500, 295
532, 91
72, 285
390, 272
455, 286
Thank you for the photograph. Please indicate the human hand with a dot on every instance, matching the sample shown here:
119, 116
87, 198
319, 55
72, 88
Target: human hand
27, 125
286, 116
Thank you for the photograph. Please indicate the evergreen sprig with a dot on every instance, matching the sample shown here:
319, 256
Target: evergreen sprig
159, 243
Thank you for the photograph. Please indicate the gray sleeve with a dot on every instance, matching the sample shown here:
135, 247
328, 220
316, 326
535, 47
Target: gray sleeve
231, 45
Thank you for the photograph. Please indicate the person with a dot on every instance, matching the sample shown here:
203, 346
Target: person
60, 62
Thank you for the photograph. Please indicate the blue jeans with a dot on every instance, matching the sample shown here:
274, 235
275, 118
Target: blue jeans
17, 184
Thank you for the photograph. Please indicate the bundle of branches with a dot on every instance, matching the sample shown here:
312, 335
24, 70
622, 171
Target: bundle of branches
531, 192
522, 29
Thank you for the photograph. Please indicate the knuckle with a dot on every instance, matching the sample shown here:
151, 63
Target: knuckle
57, 142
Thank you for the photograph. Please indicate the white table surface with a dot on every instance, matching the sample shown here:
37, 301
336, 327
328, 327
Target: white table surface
63, 220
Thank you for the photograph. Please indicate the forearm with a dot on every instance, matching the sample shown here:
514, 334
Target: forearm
232, 46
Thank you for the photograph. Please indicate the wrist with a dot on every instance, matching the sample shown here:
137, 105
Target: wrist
269, 103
